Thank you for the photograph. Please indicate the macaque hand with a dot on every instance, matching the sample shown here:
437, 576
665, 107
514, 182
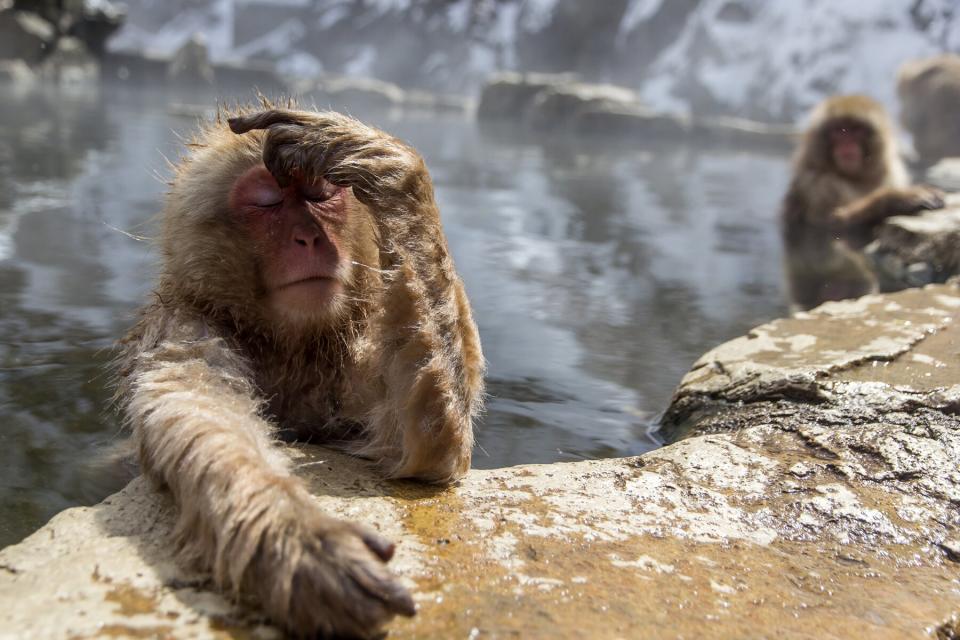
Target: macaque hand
309, 145
926, 198
320, 575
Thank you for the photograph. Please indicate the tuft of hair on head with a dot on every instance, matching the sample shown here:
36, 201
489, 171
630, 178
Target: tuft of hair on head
852, 107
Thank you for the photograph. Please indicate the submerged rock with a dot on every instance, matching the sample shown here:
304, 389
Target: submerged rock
816, 498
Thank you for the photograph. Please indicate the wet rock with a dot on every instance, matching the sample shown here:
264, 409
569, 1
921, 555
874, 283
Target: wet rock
357, 93
877, 361
632, 121
25, 36
192, 72
95, 22
561, 105
945, 174
548, 102
246, 79
816, 496
190, 64
16, 73
369, 94
952, 549
742, 132
949, 630
637, 122
509, 95
70, 62
134, 68
929, 93
911, 251
436, 103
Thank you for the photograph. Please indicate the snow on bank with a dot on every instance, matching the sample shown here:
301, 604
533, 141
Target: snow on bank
756, 58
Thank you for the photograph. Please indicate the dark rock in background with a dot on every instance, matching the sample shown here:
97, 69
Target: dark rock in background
25, 36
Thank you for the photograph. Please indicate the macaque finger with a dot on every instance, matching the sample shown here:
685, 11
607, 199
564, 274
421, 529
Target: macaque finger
267, 119
383, 548
283, 154
933, 199
384, 587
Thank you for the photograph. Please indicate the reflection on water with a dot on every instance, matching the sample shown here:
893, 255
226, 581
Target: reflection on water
821, 266
598, 273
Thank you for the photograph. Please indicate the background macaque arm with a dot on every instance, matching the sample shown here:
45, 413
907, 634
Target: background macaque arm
874, 207
887, 202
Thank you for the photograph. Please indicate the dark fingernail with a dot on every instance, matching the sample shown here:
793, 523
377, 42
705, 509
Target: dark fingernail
380, 546
404, 605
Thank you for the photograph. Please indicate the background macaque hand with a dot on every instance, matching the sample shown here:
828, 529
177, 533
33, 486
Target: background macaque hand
925, 198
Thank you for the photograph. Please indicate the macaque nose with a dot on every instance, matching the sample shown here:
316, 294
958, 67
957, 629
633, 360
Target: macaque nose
307, 235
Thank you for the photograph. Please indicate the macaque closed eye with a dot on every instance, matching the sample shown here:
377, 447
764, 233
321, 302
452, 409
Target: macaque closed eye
256, 188
319, 191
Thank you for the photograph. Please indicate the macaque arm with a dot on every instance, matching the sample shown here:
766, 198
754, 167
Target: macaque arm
868, 210
883, 203
241, 511
424, 348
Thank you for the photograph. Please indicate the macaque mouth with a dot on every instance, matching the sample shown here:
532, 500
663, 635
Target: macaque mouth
310, 280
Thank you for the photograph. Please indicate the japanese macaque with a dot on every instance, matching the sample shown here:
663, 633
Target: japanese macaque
306, 291
929, 92
848, 177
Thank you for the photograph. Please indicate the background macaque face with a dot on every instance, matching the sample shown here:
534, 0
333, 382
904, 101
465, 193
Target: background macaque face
847, 147
297, 234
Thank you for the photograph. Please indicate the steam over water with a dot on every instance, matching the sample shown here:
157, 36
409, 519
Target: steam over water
598, 272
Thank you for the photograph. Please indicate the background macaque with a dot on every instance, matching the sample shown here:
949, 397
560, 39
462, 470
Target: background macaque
306, 289
929, 92
848, 177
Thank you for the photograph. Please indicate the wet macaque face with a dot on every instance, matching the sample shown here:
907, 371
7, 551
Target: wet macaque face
297, 233
847, 147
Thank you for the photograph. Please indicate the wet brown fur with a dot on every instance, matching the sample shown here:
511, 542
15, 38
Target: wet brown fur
826, 213
207, 377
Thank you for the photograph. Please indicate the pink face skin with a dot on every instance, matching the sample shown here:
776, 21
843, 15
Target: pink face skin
846, 145
296, 231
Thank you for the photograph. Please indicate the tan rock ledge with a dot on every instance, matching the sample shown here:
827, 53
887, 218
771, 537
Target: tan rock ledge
824, 504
